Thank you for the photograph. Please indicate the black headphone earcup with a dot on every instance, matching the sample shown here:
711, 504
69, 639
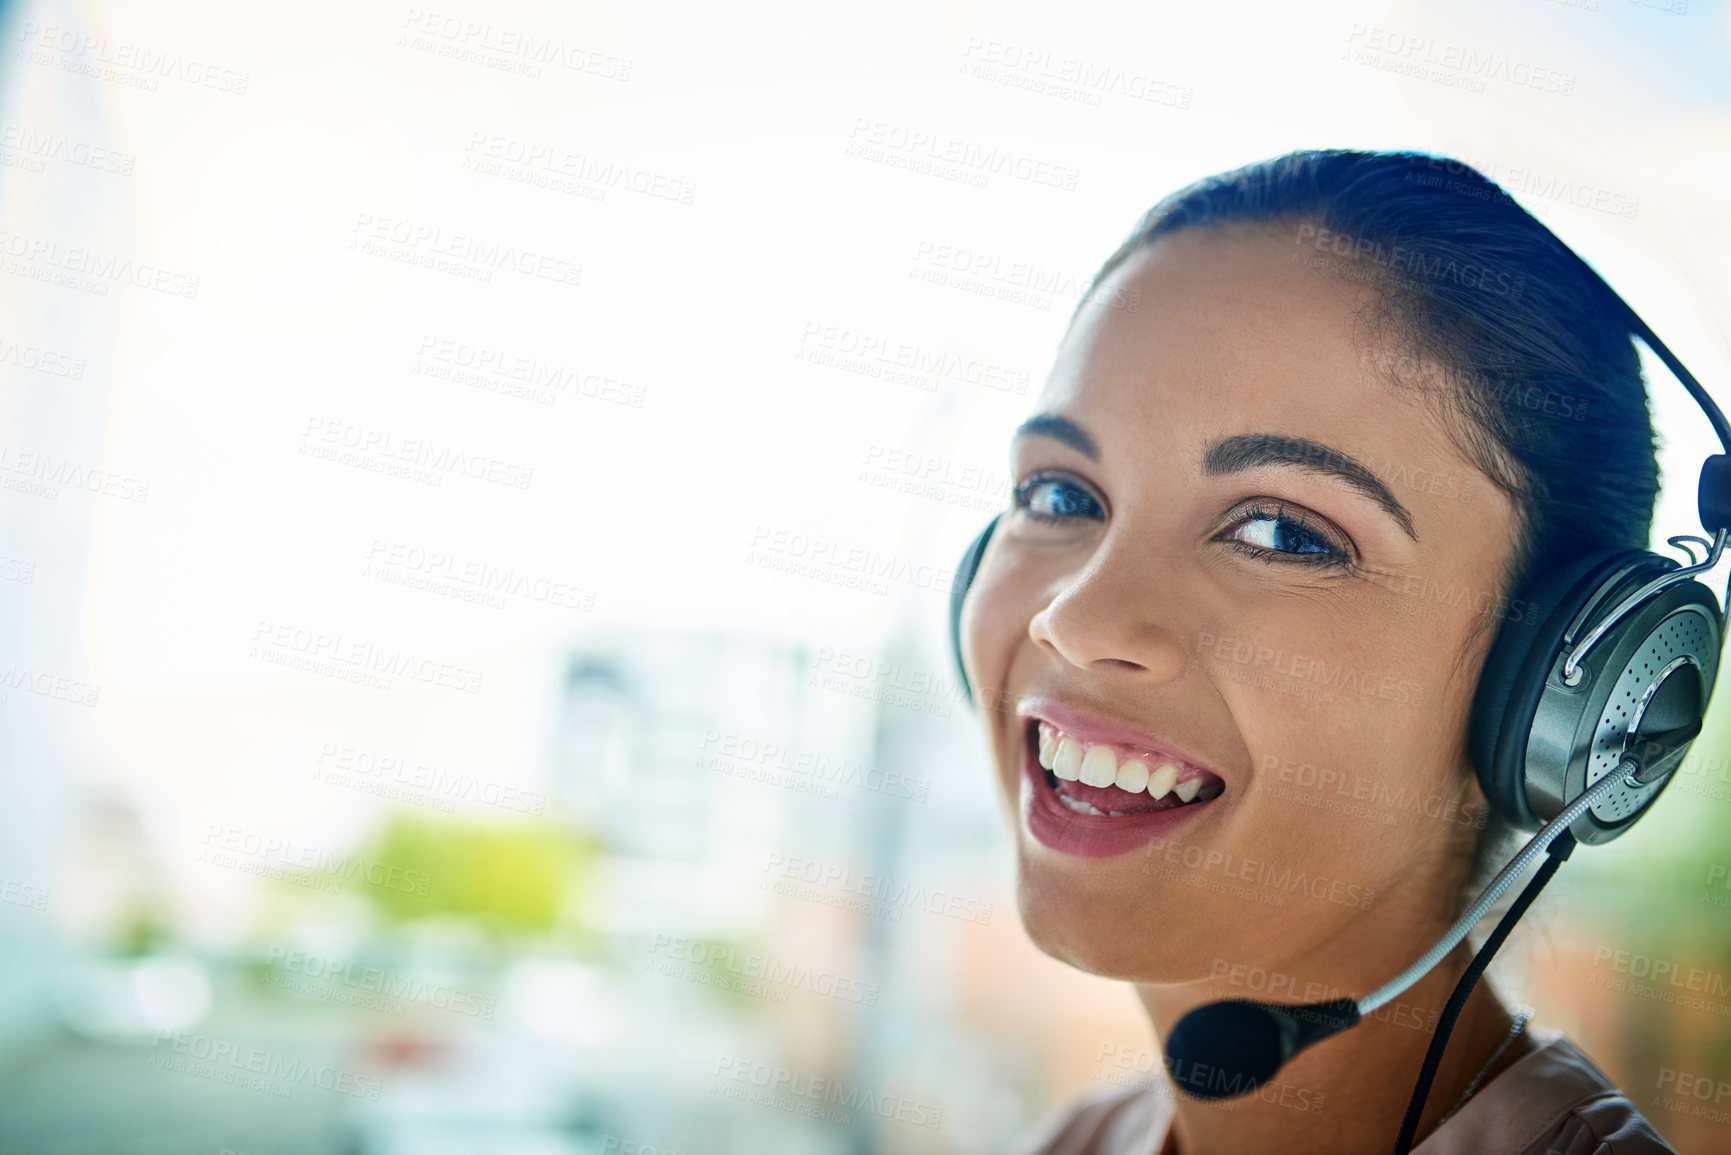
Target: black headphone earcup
965, 570
1527, 644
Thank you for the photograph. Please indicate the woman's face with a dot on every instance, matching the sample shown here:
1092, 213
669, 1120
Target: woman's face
1241, 567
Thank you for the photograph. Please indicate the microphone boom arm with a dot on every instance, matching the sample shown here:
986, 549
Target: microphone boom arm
1505, 877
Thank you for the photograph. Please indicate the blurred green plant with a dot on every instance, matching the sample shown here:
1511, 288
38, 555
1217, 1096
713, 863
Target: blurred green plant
531, 877
144, 927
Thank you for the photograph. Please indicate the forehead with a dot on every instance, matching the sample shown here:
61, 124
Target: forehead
1227, 331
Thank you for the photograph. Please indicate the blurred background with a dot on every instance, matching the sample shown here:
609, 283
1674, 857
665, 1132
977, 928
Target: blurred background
479, 487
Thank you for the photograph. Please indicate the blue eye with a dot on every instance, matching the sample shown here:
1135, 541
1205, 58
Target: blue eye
1271, 534
1263, 531
1055, 499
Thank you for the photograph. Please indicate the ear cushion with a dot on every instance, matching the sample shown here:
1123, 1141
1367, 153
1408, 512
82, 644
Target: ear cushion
1525, 649
965, 570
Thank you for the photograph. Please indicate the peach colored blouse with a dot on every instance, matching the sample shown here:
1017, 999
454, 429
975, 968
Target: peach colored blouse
1553, 1101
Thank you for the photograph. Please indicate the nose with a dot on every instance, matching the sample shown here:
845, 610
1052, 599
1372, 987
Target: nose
1113, 617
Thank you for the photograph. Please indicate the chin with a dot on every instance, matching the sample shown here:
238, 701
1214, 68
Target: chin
1090, 931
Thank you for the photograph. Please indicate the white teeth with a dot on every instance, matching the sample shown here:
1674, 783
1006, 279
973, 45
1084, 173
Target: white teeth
1100, 767
1132, 775
1080, 807
1162, 780
1097, 766
1067, 762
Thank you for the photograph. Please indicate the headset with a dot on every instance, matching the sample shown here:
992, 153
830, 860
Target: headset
1606, 647
1591, 694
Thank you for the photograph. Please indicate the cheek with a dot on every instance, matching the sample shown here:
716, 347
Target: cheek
1361, 793
994, 625
1348, 733
1348, 687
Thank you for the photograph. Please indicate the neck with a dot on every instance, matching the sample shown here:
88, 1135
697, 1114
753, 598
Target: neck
1348, 1093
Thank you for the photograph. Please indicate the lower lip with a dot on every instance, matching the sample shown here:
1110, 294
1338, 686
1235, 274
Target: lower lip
1091, 835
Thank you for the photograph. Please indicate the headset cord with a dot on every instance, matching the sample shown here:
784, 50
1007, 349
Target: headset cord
1558, 851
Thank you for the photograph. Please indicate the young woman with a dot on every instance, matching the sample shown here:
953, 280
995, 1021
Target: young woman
1313, 423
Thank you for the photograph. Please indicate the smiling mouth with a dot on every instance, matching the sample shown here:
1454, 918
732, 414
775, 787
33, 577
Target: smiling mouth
1107, 780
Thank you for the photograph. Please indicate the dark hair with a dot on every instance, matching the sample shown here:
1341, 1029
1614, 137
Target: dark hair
1543, 383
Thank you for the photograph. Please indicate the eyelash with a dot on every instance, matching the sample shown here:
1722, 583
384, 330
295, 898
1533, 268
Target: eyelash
1334, 558
1020, 496
1260, 510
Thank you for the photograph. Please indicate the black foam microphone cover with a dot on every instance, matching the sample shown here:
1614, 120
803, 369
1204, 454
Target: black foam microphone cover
1231, 1048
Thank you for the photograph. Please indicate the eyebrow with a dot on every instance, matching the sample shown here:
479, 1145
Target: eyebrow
1244, 451
1249, 450
1060, 429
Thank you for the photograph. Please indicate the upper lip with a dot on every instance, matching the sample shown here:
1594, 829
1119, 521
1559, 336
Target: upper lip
1093, 728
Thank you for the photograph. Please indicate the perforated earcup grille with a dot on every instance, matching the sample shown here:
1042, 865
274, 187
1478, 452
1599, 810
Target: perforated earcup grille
1685, 636
1515, 667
